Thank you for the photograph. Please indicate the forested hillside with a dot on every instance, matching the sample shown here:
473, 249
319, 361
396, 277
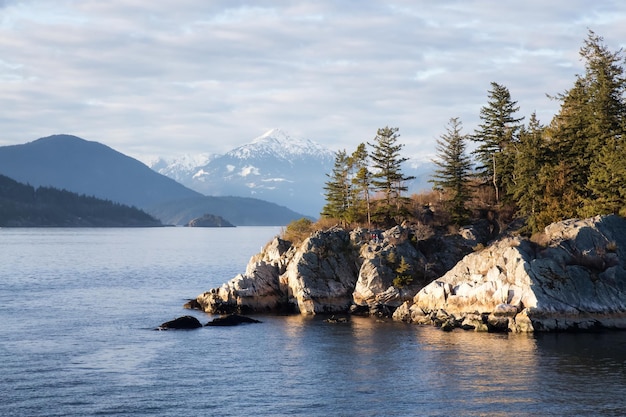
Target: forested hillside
573, 167
25, 206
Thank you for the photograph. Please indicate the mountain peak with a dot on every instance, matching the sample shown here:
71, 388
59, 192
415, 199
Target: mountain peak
275, 135
278, 143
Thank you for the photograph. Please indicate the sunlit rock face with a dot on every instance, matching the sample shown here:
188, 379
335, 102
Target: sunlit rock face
573, 279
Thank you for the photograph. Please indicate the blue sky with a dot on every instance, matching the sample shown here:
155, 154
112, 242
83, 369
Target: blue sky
169, 78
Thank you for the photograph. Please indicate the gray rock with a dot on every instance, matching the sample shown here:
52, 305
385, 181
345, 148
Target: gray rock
575, 280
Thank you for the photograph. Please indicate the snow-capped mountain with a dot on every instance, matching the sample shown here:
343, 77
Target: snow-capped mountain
180, 168
275, 167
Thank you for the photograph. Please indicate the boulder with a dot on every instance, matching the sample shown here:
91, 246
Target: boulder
231, 320
575, 279
322, 274
318, 276
375, 282
258, 289
181, 323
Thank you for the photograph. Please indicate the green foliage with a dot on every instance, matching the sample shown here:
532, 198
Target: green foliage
453, 170
496, 136
388, 177
573, 167
585, 173
338, 189
404, 275
362, 181
527, 191
348, 190
298, 230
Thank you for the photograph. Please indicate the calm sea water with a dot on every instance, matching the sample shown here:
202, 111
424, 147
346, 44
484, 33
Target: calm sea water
77, 309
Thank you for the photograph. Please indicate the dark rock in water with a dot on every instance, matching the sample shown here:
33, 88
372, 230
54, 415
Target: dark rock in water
184, 322
231, 320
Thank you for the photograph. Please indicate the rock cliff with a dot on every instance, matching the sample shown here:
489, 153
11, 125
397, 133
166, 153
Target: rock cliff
335, 271
572, 277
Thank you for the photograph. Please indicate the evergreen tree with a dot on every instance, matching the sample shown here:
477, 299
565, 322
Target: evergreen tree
530, 157
338, 189
453, 169
389, 178
587, 135
496, 135
362, 181
607, 181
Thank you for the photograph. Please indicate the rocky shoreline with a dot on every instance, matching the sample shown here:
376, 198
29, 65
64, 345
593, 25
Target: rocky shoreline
572, 279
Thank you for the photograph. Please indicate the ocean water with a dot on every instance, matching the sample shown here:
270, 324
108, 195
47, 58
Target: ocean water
78, 308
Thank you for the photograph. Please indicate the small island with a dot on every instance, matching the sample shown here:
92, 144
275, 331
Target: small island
209, 220
525, 234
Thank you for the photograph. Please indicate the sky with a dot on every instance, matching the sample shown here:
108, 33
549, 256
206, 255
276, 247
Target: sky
165, 78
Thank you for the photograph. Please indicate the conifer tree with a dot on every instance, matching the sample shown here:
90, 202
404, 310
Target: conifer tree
388, 177
587, 135
496, 135
453, 169
338, 189
527, 191
362, 181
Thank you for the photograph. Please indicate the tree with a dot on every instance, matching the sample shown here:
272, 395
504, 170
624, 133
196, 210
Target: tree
587, 135
362, 180
496, 134
527, 191
389, 178
338, 189
453, 169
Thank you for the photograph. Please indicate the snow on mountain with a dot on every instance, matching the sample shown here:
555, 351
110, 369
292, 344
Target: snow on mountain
180, 168
276, 167
276, 143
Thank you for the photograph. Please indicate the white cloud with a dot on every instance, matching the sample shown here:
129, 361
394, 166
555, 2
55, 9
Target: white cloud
167, 78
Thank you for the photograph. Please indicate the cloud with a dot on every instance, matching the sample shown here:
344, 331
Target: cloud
192, 76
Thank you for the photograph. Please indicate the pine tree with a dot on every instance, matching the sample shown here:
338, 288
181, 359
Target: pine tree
453, 169
404, 274
338, 189
362, 181
607, 181
587, 135
527, 191
496, 134
389, 178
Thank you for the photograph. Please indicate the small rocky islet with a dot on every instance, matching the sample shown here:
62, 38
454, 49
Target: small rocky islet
572, 277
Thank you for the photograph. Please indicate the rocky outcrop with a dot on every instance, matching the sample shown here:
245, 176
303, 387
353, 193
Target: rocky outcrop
181, 323
316, 277
334, 271
574, 278
209, 220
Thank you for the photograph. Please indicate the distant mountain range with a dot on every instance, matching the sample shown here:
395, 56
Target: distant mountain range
93, 169
275, 167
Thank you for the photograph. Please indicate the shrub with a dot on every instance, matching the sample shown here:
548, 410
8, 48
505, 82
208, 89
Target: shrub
298, 230
404, 276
